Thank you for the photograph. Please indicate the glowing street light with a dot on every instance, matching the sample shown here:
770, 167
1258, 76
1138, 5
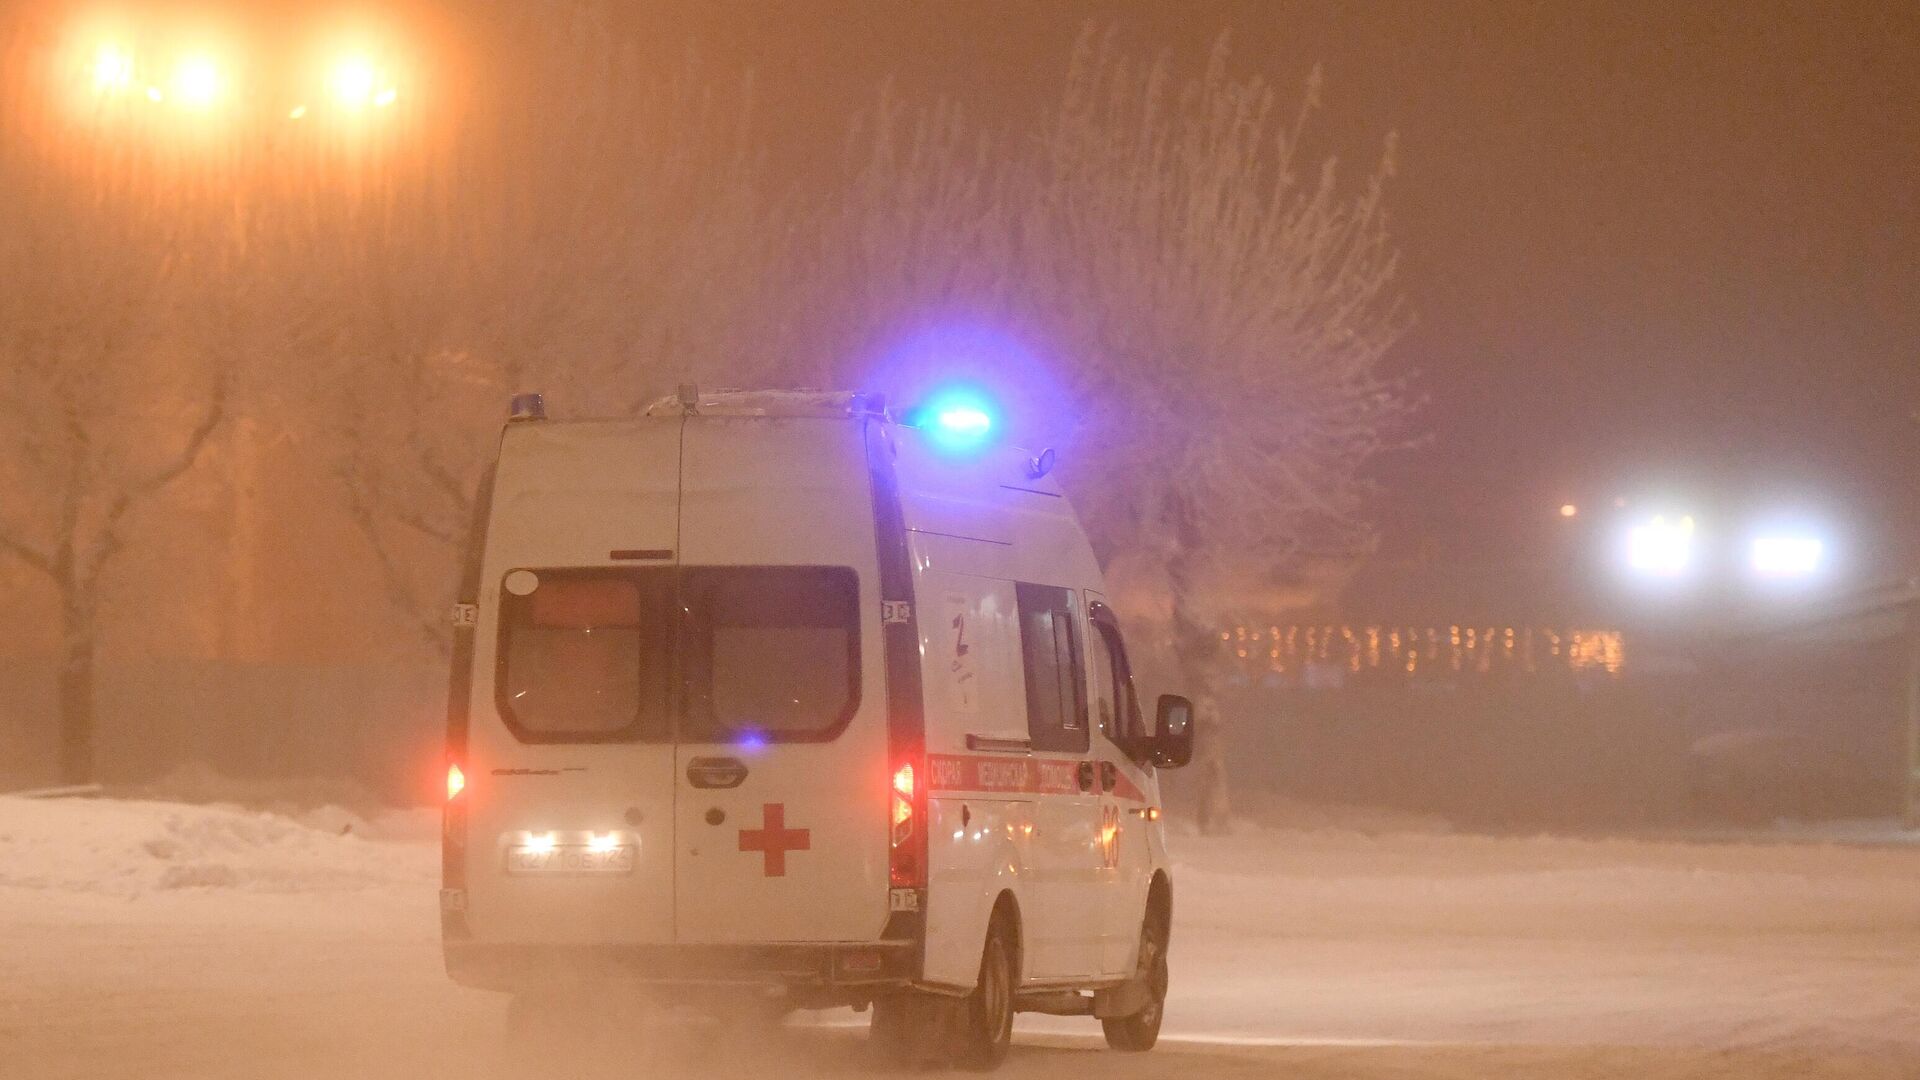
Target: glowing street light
196, 82
112, 70
355, 83
352, 81
1786, 557
1661, 548
1568, 510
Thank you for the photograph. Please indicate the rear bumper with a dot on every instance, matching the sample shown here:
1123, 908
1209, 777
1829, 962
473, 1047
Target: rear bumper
850, 965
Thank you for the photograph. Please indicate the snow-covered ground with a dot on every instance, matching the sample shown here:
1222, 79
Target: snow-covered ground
155, 939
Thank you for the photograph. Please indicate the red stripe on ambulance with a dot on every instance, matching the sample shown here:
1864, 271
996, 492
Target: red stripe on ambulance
1014, 776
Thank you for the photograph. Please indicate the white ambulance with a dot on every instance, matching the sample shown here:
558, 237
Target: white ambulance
777, 695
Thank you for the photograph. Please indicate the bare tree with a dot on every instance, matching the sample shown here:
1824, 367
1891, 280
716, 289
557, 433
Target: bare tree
594, 230
110, 387
916, 236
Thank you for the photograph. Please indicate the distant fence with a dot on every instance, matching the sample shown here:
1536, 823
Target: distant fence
1324, 655
1555, 729
380, 725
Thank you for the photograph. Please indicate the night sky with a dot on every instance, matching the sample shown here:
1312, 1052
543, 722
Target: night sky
1655, 249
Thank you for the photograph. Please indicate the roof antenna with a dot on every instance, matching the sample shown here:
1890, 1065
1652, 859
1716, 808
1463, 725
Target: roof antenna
689, 395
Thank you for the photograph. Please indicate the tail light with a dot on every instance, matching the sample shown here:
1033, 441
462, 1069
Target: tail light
902, 804
453, 830
906, 862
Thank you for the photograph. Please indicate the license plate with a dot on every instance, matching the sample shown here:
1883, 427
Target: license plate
570, 859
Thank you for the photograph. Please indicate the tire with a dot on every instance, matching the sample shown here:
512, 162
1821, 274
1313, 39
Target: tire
1137, 1033
985, 1028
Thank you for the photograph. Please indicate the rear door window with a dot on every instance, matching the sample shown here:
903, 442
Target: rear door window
586, 655
1056, 673
770, 652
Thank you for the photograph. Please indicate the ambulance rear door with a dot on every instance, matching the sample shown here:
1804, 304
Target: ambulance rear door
781, 761
569, 755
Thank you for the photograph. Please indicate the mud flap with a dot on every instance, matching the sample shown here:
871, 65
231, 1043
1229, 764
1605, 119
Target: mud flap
1124, 1000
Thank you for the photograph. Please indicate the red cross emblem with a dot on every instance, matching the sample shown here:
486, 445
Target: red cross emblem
773, 839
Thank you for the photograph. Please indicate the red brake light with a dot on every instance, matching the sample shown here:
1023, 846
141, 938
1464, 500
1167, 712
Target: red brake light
456, 781
905, 862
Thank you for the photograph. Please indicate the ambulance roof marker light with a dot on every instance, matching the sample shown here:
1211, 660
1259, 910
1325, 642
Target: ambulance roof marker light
526, 407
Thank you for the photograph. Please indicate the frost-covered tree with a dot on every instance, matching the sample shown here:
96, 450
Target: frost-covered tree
591, 230
1227, 304
1215, 308
113, 376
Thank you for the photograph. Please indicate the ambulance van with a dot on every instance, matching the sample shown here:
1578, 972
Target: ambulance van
779, 696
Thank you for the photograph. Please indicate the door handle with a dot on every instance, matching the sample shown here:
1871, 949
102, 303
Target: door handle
716, 772
1109, 776
1086, 776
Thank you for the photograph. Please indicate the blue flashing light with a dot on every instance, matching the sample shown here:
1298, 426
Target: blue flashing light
955, 420
965, 420
751, 742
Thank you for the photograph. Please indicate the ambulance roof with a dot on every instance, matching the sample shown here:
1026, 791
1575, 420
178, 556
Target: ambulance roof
810, 403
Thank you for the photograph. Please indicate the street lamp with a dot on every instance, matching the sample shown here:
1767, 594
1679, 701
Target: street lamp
355, 83
196, 82
112, 69
1787, 557
1661, 547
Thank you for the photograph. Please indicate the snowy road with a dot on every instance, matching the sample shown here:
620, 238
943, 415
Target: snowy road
150, 940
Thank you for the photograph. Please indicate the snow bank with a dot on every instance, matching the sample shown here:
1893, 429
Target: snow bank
132, 848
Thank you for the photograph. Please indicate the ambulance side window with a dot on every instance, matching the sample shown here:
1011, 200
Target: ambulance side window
1119, 705
1052, 654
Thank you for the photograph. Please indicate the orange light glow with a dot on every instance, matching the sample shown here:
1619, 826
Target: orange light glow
112, 69
903, 781
297, 112
456, 781
352, 82
196, 82
1568, 510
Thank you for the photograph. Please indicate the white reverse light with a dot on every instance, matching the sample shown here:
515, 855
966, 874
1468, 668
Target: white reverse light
1661, 547
1786, 556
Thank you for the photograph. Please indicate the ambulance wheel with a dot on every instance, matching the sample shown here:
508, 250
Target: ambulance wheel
907, 1027
1140, 1031
985, 1028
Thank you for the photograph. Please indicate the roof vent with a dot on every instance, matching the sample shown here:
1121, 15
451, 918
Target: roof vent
526, 407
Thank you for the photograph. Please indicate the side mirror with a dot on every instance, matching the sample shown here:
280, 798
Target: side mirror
1172, 744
